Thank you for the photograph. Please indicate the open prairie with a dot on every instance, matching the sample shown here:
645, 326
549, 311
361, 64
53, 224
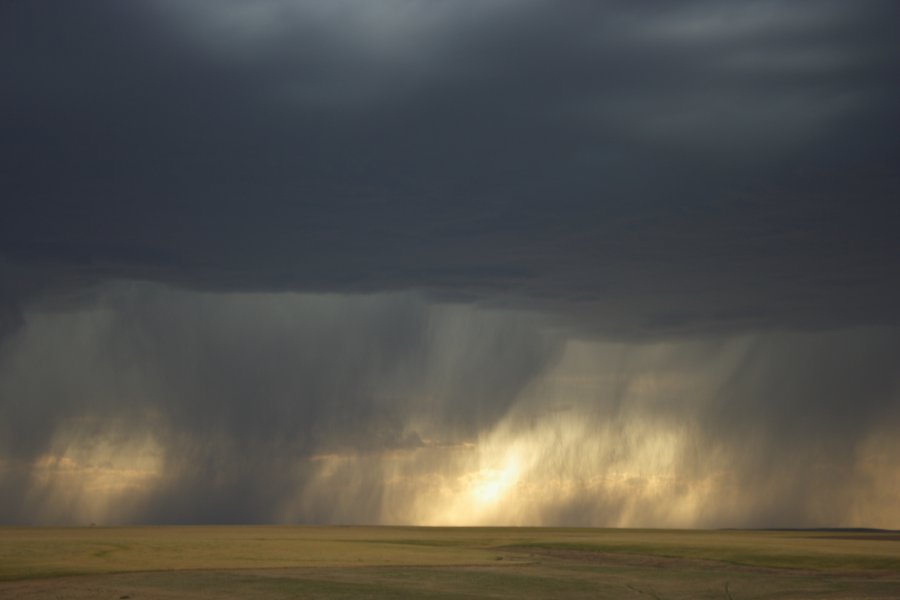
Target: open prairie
405, 562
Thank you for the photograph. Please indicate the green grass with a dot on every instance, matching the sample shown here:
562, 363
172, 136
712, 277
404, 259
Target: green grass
785, 550
407, 562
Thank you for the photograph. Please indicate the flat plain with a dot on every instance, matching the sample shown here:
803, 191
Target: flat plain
137, 563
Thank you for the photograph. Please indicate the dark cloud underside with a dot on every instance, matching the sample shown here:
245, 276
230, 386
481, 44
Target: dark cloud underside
651, 168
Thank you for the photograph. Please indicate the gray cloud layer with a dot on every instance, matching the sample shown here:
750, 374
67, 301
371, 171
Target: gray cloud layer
650, 168
652, 173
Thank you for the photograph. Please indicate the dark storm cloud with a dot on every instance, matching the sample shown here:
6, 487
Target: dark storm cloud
628, 171
652, 168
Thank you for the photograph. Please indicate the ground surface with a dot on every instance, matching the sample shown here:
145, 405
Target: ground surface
388, 562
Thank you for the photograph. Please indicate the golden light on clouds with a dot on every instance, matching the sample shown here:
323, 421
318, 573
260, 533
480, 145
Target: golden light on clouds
645, 463
518, 476
94, 478
489, 486
612, 435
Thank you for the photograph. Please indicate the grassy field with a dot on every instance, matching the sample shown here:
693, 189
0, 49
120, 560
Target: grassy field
399, 562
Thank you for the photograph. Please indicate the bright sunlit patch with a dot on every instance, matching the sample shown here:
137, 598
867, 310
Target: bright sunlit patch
639, 463
94, 478
490, 485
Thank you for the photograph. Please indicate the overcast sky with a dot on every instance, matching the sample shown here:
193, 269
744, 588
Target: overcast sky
445, 261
